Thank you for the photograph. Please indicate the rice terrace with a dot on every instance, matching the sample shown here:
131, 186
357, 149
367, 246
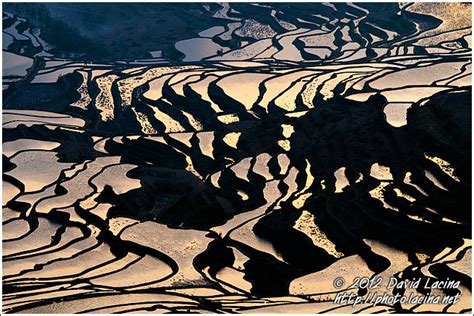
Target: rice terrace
237, 157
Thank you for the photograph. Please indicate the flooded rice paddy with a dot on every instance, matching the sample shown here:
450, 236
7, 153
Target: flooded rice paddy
242, 168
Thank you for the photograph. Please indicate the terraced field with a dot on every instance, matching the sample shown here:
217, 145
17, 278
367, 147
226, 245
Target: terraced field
288, 146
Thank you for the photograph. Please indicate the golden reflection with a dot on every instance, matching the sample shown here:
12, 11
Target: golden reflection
306, 224
228, 118
244, 196
341, 180
231, 139
444, 166
288, 130
284, 144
